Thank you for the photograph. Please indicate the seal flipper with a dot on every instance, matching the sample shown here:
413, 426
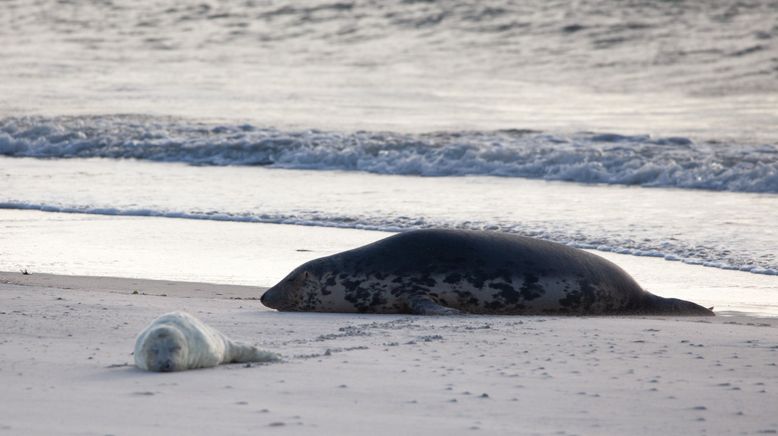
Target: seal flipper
238, 352
423, 305
656, 305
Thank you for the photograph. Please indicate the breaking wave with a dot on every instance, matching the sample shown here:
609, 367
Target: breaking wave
582, 157
643, 160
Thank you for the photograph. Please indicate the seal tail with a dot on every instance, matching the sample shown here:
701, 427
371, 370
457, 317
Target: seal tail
672, 306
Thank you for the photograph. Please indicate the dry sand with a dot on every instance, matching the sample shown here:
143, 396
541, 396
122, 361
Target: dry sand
65, 368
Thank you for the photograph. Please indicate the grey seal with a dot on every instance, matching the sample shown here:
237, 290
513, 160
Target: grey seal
178, 341
445, 272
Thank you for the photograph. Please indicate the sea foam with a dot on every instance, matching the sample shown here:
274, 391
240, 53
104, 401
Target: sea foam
675, 162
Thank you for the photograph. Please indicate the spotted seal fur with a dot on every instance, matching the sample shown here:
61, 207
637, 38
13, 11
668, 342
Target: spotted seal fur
454, 271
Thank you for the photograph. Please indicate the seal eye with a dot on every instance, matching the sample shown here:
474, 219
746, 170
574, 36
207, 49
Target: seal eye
175, 349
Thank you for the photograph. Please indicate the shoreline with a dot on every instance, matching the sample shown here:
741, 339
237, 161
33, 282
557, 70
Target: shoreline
655, 222
259, 255
128, 285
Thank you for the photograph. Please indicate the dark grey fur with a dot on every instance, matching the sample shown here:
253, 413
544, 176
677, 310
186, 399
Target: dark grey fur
454, 271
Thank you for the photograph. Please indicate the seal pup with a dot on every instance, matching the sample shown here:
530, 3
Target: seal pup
177, 341
446, 272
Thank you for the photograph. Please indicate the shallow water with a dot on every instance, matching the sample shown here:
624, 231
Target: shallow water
725, 230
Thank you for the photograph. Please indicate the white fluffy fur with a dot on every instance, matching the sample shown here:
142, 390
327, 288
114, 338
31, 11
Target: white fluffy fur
177, 341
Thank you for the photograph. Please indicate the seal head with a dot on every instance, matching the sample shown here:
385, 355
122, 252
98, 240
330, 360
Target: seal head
165, 349
296, 292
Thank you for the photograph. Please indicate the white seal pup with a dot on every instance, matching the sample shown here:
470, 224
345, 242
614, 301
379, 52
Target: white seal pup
444, 272
177, 341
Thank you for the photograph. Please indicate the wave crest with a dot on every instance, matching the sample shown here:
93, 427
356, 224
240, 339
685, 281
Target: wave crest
643, 160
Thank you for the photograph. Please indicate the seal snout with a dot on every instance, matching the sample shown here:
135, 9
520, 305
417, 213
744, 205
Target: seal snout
270, 298
279, 299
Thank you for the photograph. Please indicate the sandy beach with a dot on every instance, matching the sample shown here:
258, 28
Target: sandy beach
66, 368
169, 155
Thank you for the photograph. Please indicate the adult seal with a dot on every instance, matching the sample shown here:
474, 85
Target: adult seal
445, 272
177, 341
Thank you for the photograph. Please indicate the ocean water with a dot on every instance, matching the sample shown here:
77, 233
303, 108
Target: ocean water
647, 128
667, 68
